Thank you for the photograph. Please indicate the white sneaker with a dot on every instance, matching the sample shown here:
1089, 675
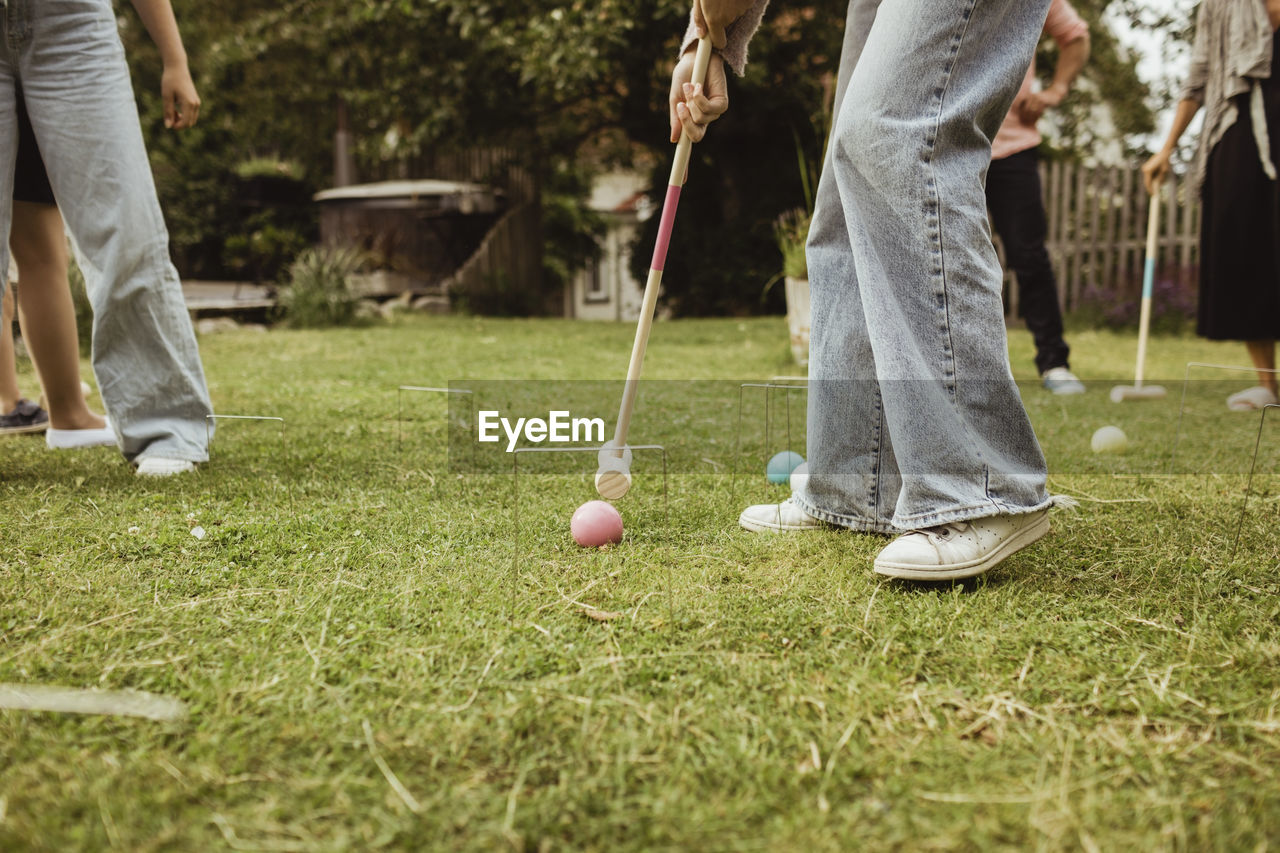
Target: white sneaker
1060, 380
162, 466
781, 518
961, 549
75, 439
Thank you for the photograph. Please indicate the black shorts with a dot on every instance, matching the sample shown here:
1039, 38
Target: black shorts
30, 180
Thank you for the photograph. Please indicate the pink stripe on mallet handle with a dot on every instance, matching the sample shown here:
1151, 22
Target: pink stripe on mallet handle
669, 205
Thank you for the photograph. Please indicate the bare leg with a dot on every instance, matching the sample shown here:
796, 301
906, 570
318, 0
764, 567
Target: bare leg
1263, 354
9, 392
48, 314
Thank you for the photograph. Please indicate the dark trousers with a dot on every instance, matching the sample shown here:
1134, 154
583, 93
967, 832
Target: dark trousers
1017, 212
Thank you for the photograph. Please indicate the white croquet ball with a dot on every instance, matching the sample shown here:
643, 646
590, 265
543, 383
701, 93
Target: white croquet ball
1109, 439
800, 477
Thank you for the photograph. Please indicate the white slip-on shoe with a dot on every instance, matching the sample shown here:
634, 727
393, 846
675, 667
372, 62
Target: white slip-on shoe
162, 466
1251, 399
785, 517
1060, 380
961, 549
75, 439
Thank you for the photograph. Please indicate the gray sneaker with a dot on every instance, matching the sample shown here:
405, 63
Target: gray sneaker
786, 517
1060, 380
25, 417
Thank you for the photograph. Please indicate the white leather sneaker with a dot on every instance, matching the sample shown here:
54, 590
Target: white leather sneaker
961, 549
162, 466
785, 517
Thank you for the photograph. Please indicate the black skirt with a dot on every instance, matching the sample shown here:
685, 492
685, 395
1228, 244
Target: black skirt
30, 181
1240, 228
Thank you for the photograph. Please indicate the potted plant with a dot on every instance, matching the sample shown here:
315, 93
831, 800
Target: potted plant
791, 231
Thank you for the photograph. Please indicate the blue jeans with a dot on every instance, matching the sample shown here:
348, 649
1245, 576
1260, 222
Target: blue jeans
914, 418
68, 56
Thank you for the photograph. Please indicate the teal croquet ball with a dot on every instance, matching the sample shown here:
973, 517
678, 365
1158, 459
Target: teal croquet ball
781, 465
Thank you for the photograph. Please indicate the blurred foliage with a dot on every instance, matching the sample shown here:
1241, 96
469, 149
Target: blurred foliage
573, 85
1108, 102
318, 291
572, 231
791, 230
749, 169
84, 310
1174, 304
261, 254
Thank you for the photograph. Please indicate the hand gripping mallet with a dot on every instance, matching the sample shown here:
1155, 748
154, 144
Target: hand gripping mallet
613, 477
1138, 391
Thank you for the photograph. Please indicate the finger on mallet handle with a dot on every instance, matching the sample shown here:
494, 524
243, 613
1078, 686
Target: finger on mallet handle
613, 480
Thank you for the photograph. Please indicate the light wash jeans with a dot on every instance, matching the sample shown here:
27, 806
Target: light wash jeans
68, 56
914, 417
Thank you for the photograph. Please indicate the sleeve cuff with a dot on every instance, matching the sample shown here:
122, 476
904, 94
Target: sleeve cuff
737, 36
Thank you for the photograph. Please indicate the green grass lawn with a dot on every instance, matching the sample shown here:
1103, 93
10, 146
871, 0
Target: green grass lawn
375, 656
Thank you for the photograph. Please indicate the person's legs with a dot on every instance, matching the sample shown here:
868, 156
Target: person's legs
1263, 355
48, 314
1017, 211
911, 149
8, 154
80, 99
18, 415
908, 351
853, 479
10, 393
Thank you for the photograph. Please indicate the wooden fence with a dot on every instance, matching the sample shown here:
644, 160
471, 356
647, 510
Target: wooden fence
1098, 231
508, 260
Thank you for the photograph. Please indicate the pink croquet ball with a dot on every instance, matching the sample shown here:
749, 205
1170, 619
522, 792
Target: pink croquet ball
595, 524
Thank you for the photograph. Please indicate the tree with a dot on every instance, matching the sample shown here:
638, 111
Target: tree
1109, 85
748, 169
543, 76
566, 82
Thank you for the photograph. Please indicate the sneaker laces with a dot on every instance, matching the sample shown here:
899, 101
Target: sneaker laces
943, 532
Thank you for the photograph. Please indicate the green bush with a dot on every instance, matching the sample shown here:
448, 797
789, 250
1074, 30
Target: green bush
263, 252
318, 293
792, 230
572, 231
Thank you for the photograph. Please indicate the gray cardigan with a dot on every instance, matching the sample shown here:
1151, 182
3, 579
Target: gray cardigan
737, 35
1232, 51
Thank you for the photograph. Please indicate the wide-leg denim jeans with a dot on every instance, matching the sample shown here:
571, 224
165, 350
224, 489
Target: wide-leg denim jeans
914, 417
68, 56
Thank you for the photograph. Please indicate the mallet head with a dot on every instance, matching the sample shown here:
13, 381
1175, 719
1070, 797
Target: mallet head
613, 483
613, 473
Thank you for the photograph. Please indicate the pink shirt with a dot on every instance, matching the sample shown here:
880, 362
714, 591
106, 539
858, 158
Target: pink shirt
1064, 26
